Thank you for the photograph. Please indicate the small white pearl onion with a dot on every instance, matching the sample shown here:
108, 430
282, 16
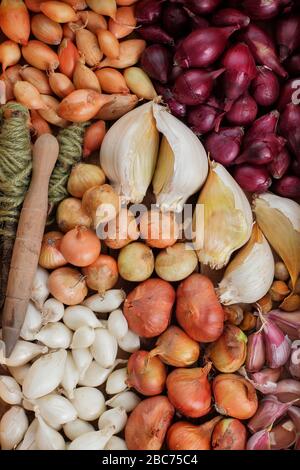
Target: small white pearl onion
19, 373
55, 335
70, 376
13, 425
89, 403
130, 342
116, 443
116, 417
95, 375
32, 323
40, 291
52, 311
76, 428
82, 359
83, 337
29, 436
23, 352
55, 410
110, 301
127, 400
79, 315
105, 348
117, 324
116, 382
10, 390
47, 438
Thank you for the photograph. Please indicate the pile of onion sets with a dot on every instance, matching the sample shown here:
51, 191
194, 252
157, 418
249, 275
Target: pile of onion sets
231, 71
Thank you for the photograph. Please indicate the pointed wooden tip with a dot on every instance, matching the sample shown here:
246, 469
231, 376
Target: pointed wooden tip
10, 338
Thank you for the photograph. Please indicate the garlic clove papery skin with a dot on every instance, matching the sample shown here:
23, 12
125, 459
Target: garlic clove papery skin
82, 359
29, 436
97, 375
70, 376
117, 381
186, 171
117, 324
32, 323
89, 403
76, 428
95, 440
28, 404
10, 390
127, 400
111, 300
83, 337
55, 410
52, 311
249, 276
105, 348
23, 352
116, 443
129, 151
44, 375
279, 219
55, 336
48, 438
13, 425
116, 417
226, 223
78, 315
130, 342
40, 291
19, 373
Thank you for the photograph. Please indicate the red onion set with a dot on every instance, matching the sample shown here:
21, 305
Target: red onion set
222, 67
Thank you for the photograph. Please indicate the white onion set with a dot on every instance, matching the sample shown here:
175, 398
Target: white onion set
55, 370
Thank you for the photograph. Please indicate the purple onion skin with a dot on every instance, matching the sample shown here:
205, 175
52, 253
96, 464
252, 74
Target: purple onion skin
262, 126
295, 166
243, 111
198, 22
175, 72
288, 35
154, 33
288, 186
176, 108
292, 64
230, 16
203, 118
148, 11
202, 7
260, 9
289, 125
224, 146
254, 179
156, 62
175, 21
262, 151
280, 164
265, 87
194, 86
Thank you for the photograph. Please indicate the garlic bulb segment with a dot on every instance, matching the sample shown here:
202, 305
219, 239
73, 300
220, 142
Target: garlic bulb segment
23, 352
111, 300
279, 219
129, 151
94, 440
48, 438
89, 403
83, 337
116, 443
40, 291
55, 410
28, 404
13, 425
116, 417
19, 373
182, 164
70, 376
227, 220
52, 311
249, 276
130, 342
105, 348
32, 323
29, 437
127, 400
44, 375
10, 391
117, 324
82, 359
76, 428
55, 335
117, 381
78, 315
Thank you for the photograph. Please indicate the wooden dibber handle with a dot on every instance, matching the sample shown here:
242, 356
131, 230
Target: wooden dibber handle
28, 240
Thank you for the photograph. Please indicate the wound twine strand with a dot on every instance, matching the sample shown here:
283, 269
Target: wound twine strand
70, 142
15, 171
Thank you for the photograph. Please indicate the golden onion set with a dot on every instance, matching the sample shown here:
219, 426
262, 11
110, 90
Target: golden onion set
143, 339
